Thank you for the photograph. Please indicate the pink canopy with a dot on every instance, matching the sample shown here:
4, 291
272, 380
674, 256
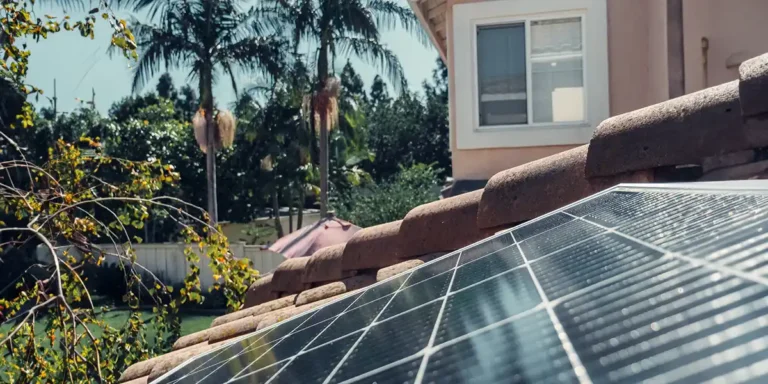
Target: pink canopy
304, 242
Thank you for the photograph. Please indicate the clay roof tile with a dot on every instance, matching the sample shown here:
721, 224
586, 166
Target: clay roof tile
289, 274
753, 86
261, 291
443, 225
680, 131
373, 247
144, 368
255, 311
531, 190
386, 273
325, 265
334, 289
170, 361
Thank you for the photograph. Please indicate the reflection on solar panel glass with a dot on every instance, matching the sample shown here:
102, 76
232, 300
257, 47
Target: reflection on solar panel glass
634, 284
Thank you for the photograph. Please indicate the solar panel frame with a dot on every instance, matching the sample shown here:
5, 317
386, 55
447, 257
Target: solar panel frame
753, 187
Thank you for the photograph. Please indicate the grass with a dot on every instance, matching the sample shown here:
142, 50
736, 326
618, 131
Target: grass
190, 322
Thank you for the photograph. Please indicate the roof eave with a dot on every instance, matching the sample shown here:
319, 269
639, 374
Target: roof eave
416, 7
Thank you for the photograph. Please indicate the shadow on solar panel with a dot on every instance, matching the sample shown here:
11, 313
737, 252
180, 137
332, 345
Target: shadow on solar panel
635, 284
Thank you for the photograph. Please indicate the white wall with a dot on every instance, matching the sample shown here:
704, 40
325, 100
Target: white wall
168, 262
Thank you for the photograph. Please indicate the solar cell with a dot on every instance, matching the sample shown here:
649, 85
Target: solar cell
639, 283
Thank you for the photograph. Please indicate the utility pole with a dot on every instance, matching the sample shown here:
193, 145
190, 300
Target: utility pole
93, 98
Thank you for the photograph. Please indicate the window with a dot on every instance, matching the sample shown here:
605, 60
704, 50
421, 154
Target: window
554, 65
528, 73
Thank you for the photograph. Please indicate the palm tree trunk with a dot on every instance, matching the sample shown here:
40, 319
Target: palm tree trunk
300, 213
322, 76
206, 92
290, 210
276, 212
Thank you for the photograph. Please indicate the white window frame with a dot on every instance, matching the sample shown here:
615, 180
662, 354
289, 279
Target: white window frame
468, 17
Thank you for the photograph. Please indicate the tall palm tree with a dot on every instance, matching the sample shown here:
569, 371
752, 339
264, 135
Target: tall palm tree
207, 37
349, 28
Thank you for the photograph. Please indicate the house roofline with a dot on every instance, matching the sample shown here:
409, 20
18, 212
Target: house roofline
416, 7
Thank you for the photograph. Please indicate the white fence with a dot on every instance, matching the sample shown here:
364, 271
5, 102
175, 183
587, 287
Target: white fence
168, 262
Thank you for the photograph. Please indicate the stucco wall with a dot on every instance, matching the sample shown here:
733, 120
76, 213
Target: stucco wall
736, 29
637, 54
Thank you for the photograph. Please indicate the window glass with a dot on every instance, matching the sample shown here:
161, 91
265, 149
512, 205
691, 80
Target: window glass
557, 70
502, 75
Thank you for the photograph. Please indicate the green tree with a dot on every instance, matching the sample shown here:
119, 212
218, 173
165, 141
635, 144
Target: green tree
205, 37
410, 129
379, 93
165, 88
391, 200
348, 27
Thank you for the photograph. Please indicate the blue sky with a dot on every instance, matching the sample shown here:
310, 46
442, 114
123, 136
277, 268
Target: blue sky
79, 65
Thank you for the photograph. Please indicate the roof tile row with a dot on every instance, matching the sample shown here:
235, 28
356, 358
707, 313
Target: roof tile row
720, 131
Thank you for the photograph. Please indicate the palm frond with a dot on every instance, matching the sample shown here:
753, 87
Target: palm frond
231, 73
352, 17
157, 47
389, 14
264, 54
377, 54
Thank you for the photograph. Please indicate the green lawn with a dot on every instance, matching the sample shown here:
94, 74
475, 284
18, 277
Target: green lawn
190, 323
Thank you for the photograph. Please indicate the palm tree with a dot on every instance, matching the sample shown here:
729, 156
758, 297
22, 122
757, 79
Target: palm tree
348, 27
207, 37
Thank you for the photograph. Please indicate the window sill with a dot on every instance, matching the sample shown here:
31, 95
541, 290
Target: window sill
526, 127
533, 135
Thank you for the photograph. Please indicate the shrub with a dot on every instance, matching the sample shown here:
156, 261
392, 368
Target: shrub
375, 204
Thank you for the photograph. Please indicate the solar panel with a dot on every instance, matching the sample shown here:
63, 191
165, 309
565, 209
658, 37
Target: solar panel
639, 283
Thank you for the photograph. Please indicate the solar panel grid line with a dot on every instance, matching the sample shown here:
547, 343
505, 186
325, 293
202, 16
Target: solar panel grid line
750, 253
236, 378
309, 317
330, 323
639, 206
551, 241
385, 367
485, 280
567, 247
433, 336
550, 222
326, 336
738, 231
212, 367
272, 346
365, 331
212, 355
218, 351
373, 323
487, 328
709, 236
581, 267
385, 315
276, 344
601, 284
691, 333
721, 209
692, 260
266, 331
573, 357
